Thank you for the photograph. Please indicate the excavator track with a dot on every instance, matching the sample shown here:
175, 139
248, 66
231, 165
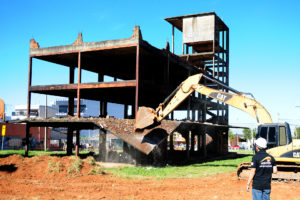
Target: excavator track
285, 172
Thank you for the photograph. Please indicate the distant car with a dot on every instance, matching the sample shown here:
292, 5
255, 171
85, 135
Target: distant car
54, 146
235, 147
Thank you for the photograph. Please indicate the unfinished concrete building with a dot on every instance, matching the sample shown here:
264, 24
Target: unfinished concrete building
144, 76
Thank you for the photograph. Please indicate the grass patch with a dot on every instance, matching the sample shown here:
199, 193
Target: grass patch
91, 160
243, 151
97, 170
30, 153
189, 171
55, 166
76, 166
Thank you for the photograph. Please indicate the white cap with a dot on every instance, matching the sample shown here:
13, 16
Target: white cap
261, 143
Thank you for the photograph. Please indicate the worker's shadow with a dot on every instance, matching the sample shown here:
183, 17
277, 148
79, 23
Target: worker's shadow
155, 136
8, 168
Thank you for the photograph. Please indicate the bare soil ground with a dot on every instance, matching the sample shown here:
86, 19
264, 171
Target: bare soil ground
30, 178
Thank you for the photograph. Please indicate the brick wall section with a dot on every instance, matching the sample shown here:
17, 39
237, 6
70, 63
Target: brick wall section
19, 131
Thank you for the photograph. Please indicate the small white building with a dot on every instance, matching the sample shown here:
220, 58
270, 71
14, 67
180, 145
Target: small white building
88, 108
36, 111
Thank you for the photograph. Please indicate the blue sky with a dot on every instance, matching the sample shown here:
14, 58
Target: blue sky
264, 43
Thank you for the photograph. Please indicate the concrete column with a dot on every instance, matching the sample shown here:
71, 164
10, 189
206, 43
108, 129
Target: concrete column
171, 142
220, 141
105, 108
125, 111
137, 78
77, 142
192, 141
133, 111
27, 139
126, 152
159, 154
46, 128
204, 109
204, 144
187, 142
102, 145
198, 143
69, 141
193, 115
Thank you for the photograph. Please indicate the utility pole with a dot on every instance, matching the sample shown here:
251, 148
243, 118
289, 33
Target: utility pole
298, 134
46, 130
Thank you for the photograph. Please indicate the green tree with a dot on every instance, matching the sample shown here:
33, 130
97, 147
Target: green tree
247, 134
297, 133
254, 132
230, 135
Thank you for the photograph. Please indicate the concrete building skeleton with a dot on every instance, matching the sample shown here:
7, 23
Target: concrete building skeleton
145, 75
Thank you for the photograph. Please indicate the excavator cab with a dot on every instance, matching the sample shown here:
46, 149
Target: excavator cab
276, 134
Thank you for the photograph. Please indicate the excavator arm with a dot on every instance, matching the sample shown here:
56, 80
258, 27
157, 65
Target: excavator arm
148, 116
2, 110
244, 103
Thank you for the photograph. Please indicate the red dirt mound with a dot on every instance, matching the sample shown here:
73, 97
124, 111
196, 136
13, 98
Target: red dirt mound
35, 178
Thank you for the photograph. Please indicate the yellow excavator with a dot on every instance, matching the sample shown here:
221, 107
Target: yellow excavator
278, 135
2, 110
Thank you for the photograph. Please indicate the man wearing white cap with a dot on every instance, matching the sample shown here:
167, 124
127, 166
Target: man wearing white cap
262, 167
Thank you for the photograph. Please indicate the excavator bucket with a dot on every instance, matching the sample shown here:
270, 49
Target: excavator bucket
145, 117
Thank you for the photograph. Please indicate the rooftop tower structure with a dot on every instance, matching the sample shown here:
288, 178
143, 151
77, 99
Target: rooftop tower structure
205, 44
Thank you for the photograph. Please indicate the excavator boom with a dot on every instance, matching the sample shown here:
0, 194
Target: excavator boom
244, 103
148, 116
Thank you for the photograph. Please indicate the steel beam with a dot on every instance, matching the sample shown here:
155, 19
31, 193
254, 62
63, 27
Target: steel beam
173, 35
29, 85
137, 78
120, 84
79, 82
100, 79
71, 98
85, 47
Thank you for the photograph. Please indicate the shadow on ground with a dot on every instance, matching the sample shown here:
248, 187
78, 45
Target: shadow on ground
8, 168
83, 156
